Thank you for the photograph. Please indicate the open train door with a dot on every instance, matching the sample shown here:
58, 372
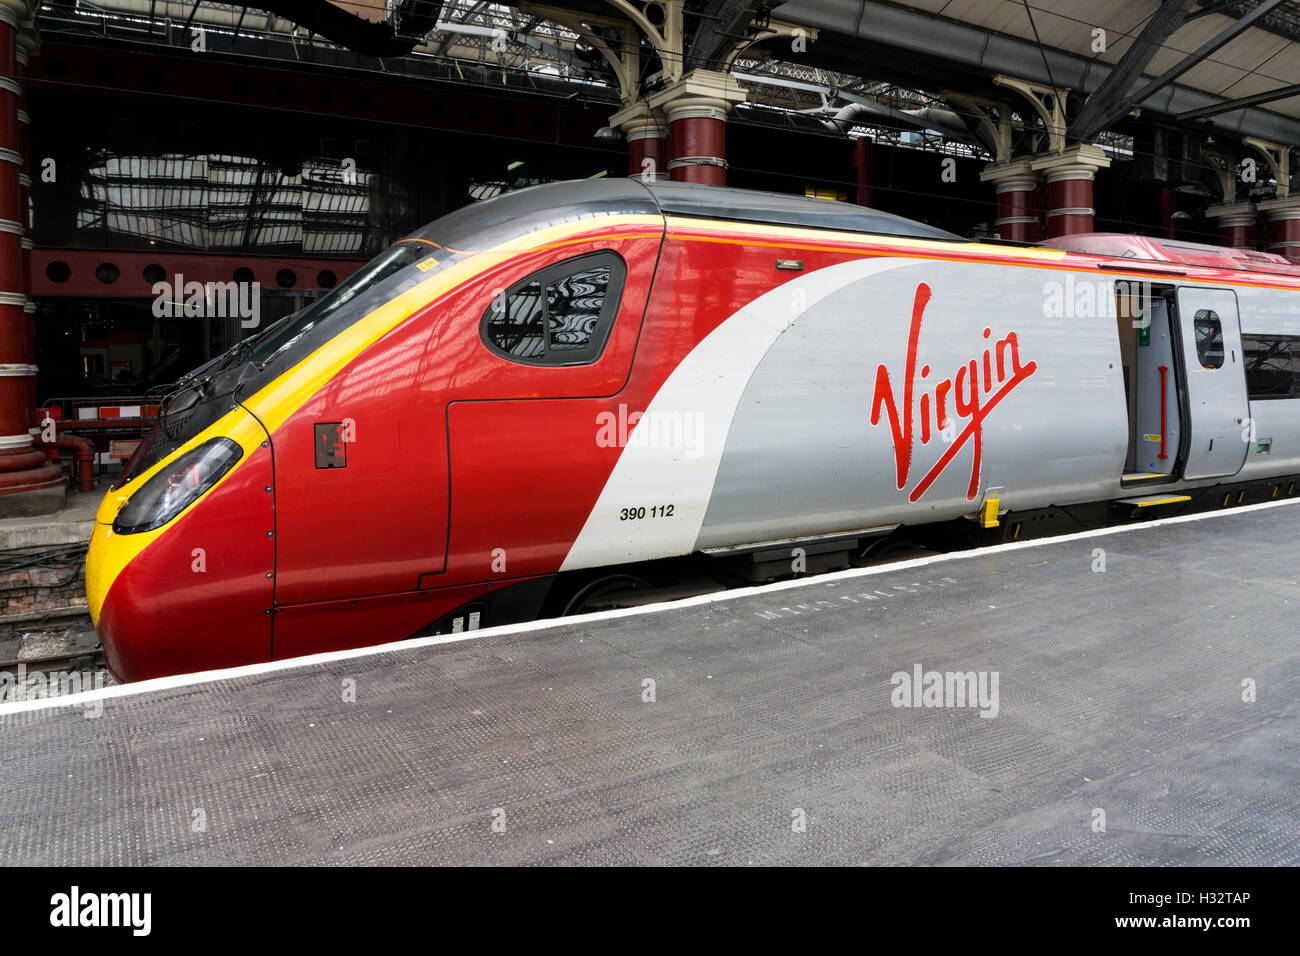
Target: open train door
1209, 332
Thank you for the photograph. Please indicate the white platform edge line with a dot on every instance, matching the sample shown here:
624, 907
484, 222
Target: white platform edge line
268, 667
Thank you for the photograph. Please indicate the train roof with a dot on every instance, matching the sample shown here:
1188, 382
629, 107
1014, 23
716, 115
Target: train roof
1114, 245
482, 224
785, 209
516, 212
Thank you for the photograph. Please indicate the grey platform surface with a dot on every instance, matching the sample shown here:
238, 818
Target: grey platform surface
1119, 690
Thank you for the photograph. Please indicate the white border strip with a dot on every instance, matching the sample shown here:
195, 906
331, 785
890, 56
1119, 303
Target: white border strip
269, 667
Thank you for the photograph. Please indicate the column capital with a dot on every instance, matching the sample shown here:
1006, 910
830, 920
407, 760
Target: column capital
13, 12
21, 15
1012, 175
646, 133
1228, 214
1287, 207
701, 94
1016, 184
1283, 226
1076, 162
639, 120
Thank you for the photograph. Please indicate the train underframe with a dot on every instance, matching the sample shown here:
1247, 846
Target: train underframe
652, 582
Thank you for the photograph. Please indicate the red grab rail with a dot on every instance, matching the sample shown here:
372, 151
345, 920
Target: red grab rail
1164, 372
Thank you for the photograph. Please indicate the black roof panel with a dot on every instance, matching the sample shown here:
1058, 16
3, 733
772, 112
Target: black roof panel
784, 209
482, 224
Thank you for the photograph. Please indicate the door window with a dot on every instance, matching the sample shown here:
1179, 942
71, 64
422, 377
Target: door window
1209, 338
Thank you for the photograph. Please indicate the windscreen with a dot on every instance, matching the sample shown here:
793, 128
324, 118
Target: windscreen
377, 274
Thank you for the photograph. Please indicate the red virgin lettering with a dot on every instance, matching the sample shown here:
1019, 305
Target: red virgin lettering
973, 401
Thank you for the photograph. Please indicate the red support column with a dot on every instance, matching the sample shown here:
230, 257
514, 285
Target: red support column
1283, 226
1017, 188
862, 164
697, 144
696, 106
1236, 222
1017, 214
28, 484
1069, 202
28, 243
647, 153
647, 141
1069, 175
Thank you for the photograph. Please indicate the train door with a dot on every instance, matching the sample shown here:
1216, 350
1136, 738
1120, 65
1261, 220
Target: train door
1209, 335
1150, 383
361, 480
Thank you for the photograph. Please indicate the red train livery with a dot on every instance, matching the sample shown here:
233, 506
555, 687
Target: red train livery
579, 393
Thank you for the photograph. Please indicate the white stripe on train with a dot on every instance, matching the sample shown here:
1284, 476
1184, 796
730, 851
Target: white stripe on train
708, 384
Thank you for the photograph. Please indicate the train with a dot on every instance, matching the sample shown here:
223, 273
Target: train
584, 395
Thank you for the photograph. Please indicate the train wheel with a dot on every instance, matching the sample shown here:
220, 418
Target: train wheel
885, 550
602, 594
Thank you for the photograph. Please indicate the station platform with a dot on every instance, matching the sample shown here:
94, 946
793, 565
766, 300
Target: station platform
1119, 690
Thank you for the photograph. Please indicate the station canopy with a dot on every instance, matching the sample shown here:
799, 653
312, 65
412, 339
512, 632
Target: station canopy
1194, 58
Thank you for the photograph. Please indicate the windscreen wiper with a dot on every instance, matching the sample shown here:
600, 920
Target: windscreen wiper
240, 348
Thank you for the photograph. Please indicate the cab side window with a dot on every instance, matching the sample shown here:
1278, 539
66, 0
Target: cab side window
561, 315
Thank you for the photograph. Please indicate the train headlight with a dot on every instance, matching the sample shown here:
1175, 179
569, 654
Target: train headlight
167, 493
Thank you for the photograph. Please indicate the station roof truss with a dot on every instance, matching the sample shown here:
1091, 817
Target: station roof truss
885, 68
505, 45
481, 43
1233, 66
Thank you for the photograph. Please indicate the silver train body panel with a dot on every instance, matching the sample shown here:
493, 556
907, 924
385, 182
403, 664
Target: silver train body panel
804, 425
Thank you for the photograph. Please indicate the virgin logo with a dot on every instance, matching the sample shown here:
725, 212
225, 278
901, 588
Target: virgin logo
973, 399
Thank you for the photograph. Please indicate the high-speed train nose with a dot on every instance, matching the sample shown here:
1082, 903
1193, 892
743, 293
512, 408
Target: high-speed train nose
180, 574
